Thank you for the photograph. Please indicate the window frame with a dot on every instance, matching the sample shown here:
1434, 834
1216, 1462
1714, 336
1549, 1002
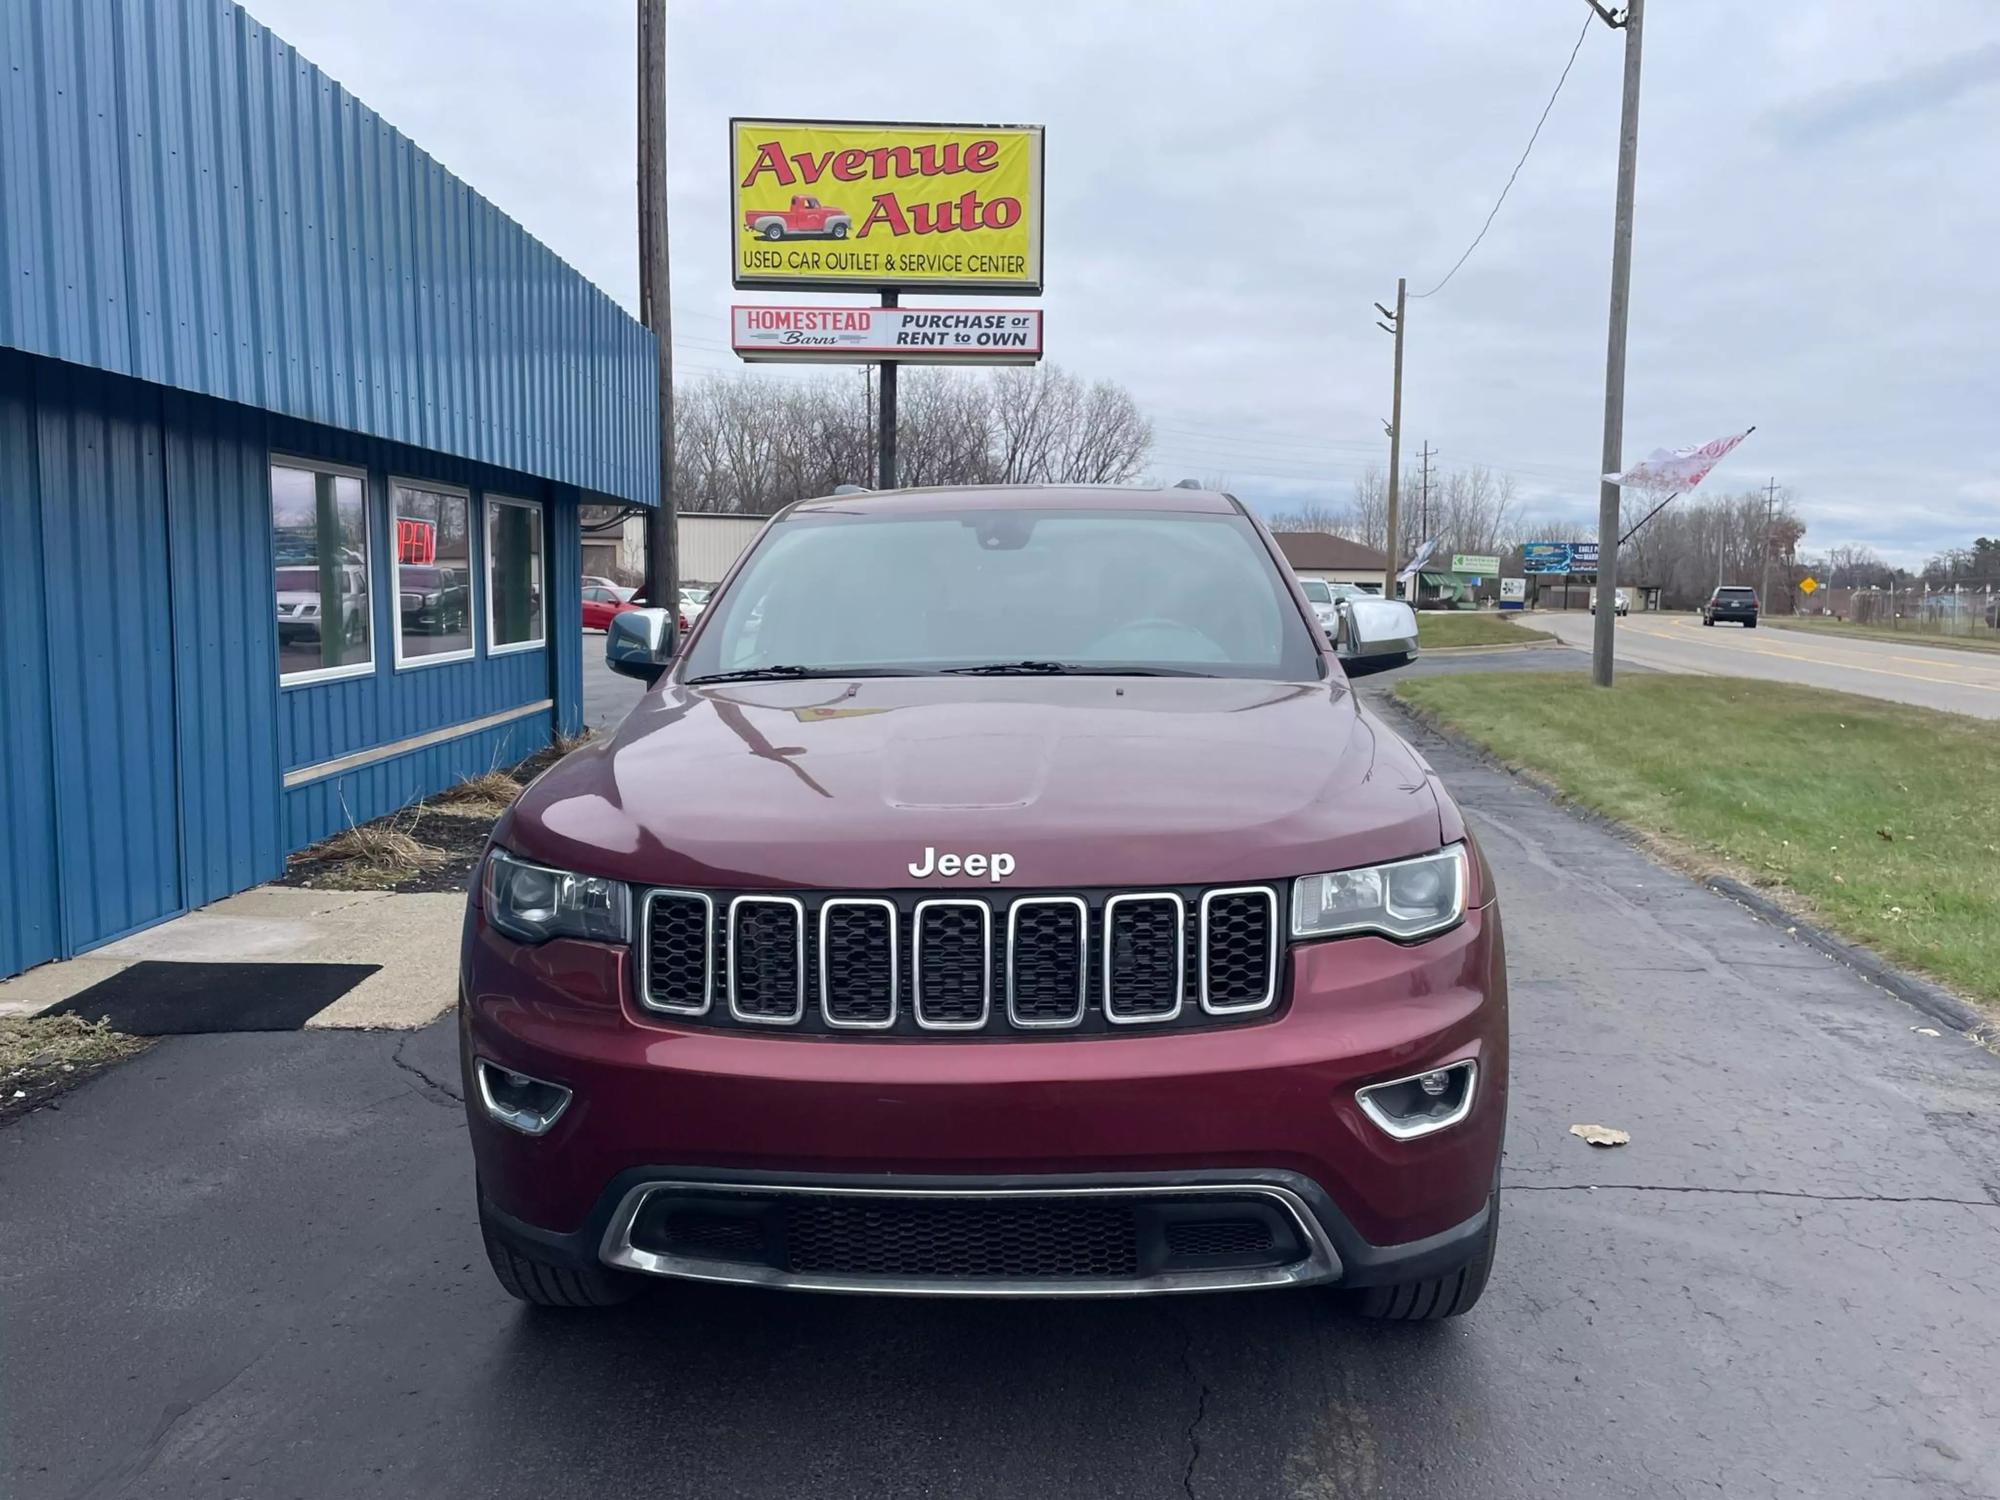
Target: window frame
494, 502
314, 676
474, 522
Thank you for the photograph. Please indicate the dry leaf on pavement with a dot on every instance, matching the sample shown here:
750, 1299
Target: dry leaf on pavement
1601, 1135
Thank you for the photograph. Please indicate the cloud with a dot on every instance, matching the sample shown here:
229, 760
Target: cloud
1825, 117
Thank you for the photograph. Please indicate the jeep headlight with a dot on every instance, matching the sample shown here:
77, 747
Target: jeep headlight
1411, 898
533, 903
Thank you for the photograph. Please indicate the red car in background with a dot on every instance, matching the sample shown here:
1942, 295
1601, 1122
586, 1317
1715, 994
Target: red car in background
600, 604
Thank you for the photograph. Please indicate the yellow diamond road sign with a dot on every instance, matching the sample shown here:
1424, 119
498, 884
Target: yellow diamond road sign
1808, 584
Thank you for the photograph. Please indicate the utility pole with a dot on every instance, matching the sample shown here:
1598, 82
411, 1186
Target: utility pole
1608, 494
655, 295
1424, 509
1770, 515
1395, 432
868, 404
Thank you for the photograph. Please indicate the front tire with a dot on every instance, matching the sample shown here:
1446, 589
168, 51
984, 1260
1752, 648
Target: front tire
1434, 1298
838, 231
541, 1283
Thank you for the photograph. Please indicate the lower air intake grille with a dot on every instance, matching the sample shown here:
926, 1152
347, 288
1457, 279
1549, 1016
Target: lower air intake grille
1043, 1240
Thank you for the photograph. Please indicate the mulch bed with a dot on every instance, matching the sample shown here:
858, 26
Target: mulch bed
457, 834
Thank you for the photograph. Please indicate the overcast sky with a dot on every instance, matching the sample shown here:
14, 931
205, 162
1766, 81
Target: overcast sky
1231, 185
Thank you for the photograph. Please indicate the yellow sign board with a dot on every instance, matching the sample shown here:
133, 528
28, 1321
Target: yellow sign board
1808, 584
823, 204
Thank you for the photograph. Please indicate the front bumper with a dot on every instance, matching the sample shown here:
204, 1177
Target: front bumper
1264, 1107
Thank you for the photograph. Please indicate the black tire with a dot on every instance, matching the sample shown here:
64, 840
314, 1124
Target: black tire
542, 1284
773, 231
1749, 624
839, 231
1434, 1297
1708, 622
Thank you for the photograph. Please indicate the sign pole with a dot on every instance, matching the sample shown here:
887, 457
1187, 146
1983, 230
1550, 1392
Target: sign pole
885, 436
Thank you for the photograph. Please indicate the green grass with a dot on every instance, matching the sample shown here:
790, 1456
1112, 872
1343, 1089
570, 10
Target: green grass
1473, 628
1981, 637
1883, 819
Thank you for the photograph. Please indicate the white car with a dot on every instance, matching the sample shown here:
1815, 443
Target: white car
693, 602
1620, 604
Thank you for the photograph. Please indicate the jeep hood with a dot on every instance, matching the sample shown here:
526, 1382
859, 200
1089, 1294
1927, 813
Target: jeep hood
1085, 781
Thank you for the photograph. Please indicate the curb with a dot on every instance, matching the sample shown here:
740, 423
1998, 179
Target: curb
1424, 650
1933, 1000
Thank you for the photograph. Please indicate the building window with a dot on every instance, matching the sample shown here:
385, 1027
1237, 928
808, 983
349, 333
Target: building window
319, 527
433, 536
515, 588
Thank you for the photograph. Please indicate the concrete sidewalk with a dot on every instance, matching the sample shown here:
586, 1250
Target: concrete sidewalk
413, 937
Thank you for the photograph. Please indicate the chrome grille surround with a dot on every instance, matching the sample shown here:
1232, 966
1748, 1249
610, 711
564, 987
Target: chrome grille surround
647, 960
1032, 903
1109, 946
929, 1023
826, 1000
1273, 945
737, 906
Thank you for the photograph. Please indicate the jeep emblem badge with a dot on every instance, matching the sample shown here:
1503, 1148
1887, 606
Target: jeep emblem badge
995, 867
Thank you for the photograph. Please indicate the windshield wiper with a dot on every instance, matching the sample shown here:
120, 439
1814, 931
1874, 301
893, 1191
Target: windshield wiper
788, 672
1063, 669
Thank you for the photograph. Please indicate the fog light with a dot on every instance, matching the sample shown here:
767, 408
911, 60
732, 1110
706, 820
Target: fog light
517, 1101
1422, 1103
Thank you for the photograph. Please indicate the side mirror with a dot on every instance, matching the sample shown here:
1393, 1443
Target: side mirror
1376, 635
640, 643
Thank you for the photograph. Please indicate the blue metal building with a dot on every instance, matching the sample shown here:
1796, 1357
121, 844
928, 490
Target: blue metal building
294, 426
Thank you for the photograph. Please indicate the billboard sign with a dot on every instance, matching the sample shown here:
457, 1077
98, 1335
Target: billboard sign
877, 335
1478, 564
824, 204
1559, 557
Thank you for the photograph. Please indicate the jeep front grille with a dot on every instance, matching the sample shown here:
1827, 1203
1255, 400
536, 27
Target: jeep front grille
908, 964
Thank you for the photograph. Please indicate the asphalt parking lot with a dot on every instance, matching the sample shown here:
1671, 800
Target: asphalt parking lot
248, 1266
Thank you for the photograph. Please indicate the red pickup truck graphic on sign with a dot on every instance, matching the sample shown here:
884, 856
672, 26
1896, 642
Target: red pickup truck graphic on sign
807, 218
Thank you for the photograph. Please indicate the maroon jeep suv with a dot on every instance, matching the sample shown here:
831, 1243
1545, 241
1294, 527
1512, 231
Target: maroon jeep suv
1001, 891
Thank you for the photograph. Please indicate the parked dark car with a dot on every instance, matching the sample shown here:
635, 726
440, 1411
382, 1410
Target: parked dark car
434, 600
945, 922
1731, 603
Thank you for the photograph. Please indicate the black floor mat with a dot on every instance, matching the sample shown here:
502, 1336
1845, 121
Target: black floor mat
172, 999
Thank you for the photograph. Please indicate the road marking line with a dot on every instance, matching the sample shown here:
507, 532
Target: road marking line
1841, 666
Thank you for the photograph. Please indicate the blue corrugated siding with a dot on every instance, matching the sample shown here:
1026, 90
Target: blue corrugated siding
30, 914
143, 733
110, 653
185, 199
225, 652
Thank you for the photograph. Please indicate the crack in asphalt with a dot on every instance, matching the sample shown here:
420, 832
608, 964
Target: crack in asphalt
1643, 1187
450, 1093
1200, 1405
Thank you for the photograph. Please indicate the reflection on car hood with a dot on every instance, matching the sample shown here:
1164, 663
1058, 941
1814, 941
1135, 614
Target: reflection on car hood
842, 783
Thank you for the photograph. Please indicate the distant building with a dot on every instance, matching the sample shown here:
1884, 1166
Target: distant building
1321, 554
708, 545
294, 432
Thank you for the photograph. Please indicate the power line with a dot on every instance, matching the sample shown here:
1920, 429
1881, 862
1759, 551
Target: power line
1517, 165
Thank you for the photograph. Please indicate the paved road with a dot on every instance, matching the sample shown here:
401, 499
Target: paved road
247, 1266
1963, 682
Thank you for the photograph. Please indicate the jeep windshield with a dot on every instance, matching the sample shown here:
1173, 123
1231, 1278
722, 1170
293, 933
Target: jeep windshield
1007, 591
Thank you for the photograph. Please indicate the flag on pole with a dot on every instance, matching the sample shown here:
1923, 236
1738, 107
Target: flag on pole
1423, 556
1678, 468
